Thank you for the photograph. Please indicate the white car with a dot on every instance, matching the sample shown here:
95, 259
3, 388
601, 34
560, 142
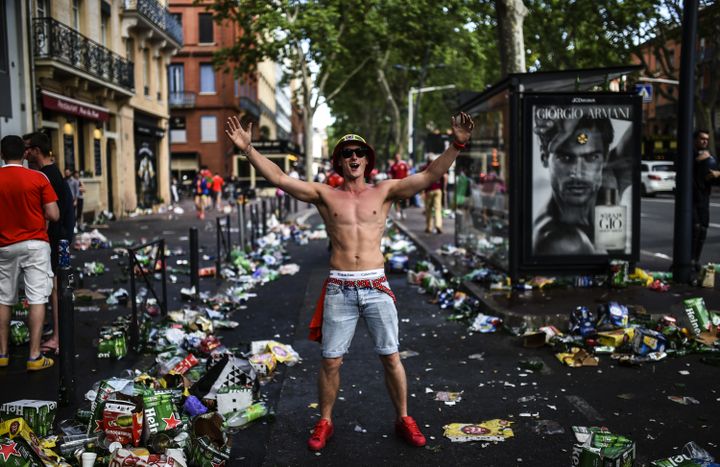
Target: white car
657, 176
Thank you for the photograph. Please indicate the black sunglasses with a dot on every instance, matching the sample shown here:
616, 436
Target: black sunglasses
347, 153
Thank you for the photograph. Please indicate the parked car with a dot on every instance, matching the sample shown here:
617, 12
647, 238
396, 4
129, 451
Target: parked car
657, 177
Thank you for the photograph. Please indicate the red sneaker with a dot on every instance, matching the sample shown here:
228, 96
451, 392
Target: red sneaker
408, 430
321, 434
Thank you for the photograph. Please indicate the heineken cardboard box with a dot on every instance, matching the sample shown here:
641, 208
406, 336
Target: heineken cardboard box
27, 444
602, 449
39, 415
680, 460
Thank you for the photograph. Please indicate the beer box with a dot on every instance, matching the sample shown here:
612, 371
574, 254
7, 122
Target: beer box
121, 422
39, 415
17, 453
602, 449
17, 430
616, 337
697, 315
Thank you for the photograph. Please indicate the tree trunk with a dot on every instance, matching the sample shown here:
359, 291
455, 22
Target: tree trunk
510, 15
397, 121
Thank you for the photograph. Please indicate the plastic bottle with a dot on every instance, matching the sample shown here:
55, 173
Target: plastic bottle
243, 418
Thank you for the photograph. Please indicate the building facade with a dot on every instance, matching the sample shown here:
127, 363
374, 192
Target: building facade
16, 105
100, 93
661, 60
202, 98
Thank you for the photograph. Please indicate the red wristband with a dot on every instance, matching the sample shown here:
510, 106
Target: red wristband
459, 146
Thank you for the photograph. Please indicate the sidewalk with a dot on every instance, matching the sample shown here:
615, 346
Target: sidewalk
552, 306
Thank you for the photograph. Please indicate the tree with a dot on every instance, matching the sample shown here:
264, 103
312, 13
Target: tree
310, 37
571, 34
660, 43
510, 17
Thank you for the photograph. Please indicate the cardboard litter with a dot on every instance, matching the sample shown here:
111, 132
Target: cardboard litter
490, 430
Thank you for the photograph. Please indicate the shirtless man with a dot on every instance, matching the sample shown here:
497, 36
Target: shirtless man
354, 215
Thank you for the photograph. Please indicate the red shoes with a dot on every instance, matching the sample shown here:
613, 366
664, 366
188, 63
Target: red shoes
408, 430
321, 434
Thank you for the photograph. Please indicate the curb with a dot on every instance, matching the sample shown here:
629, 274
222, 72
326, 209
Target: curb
511, 319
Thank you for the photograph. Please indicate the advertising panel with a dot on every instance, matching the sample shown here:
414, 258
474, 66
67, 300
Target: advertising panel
580, 158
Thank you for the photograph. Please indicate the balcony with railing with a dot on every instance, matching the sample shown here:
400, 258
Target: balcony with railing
57, 42
181, 100
157, 15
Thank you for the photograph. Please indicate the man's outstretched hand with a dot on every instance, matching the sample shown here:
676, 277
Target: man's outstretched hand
462, 126
234, 130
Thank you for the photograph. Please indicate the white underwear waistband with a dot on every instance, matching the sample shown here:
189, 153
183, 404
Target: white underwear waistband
357, 275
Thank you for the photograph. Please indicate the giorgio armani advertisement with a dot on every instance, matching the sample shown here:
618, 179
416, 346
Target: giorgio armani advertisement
583, 153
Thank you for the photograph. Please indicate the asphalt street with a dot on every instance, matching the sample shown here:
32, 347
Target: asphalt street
657, 223
485, 368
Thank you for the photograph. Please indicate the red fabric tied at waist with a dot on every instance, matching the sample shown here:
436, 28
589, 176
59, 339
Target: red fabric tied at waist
317, 320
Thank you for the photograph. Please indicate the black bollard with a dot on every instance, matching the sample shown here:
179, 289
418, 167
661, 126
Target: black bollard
163, 272
264, 217
295, 205
253, 225
241, 226
134, 328
194, 260
280, 208
229, 242
218, 239
66, 319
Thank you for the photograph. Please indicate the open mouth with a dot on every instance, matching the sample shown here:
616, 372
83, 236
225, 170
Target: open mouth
354, 165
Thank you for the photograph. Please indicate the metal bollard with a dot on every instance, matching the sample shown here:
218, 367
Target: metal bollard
264, 217
66, 319
229, 242
164, 308
280, 208
218, 240
194, 260
241, 226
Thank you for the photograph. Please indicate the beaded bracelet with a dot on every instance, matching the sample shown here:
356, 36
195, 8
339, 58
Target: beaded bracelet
459, 146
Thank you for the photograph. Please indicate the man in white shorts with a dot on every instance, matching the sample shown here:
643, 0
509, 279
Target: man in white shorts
28, 200
354, 215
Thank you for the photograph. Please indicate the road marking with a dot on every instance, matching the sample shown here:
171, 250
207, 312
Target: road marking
714, 226
585, 408
655, 200
656, 255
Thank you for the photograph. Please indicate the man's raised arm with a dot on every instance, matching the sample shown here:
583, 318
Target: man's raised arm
462, 126
304, 191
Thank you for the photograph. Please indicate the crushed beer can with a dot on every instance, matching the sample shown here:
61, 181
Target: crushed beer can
618, 273
208, 442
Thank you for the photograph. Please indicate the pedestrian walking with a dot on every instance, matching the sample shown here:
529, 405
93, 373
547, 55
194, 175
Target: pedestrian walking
434, 201
199, 190
398, 171
355, 215
28, 200
74, 185
39, 157
80, 201
174, 191
706, 173
217, 187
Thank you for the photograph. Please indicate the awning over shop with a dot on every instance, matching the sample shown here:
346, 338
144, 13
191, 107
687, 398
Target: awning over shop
56, 102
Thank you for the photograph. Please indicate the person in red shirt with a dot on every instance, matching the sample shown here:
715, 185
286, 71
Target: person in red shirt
399, 170
28, 200
217, 184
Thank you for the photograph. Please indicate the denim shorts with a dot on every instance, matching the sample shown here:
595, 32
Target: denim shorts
342, 308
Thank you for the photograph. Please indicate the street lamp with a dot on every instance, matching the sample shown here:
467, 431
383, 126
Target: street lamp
411, 122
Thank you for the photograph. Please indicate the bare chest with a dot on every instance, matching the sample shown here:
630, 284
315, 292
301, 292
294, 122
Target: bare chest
347, 208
